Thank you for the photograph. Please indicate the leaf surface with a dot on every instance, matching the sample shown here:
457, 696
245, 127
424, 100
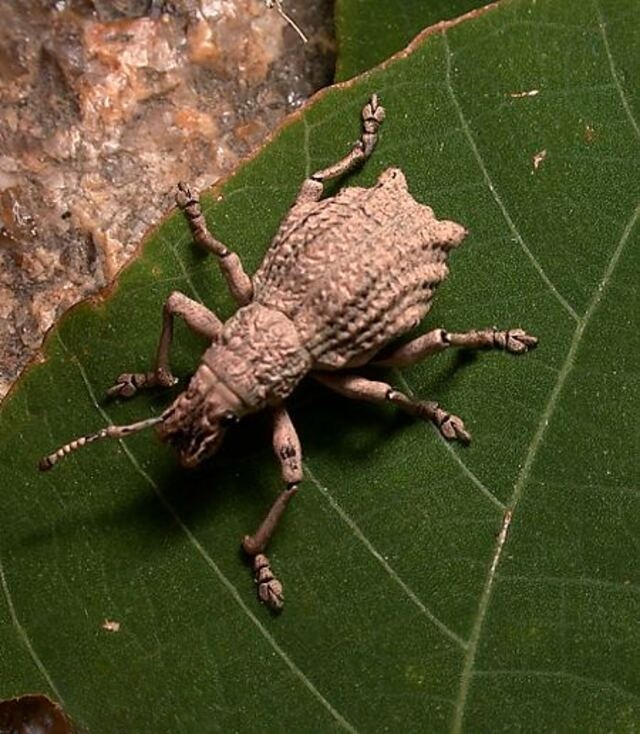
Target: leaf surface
369, 31
430, 587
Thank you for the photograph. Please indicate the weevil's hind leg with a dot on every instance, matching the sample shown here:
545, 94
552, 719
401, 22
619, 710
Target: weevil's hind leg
515, 341
372, 116
360, 388
286, 446
230, 264
197, 317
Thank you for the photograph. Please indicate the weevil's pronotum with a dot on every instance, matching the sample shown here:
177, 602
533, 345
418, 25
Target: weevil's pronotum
343, 278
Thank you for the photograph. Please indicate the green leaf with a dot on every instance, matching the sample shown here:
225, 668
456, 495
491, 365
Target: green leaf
430, 587
369, 31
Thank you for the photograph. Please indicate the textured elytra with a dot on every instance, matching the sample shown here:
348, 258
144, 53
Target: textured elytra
357, 270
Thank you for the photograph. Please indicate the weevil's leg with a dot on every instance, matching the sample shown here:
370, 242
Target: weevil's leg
238, 281
286, 446
515, 341
372, 116
360, 388
197, 317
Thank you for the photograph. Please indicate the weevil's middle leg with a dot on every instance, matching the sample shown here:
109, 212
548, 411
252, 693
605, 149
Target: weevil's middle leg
360, 388
286, 445
372, 116
197, 317
230, 264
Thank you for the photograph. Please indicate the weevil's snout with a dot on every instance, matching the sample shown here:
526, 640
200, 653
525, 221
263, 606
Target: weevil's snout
195, 424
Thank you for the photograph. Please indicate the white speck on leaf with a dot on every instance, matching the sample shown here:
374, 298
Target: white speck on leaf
538, 158
520, 95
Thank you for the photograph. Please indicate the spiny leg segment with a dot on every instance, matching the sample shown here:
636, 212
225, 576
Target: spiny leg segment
197, 317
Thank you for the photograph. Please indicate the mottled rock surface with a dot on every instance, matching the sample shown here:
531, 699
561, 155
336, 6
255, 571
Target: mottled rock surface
104, 106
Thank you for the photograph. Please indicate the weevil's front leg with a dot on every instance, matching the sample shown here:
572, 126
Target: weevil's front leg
230, 264
286, 445
360, 388
372, 117
515, 341
197, 317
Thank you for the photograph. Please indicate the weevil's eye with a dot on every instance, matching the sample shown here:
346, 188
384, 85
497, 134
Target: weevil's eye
229, 419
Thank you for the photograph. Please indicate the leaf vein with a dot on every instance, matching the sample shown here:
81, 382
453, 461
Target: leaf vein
494, 192
24, 636
614, 71
455, 456
534, 446
383, 562
185, 272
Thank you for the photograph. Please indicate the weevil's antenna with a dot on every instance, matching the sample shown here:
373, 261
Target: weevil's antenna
109, 432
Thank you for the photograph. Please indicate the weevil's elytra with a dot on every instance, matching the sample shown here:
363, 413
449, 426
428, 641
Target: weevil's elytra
344, 277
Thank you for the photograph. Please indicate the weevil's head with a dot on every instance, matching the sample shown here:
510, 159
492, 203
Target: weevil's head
195, 423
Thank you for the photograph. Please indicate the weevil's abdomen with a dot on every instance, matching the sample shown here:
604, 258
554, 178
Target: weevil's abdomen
260, 356
355, 271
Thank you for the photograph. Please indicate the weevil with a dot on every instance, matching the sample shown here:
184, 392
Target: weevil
343, 278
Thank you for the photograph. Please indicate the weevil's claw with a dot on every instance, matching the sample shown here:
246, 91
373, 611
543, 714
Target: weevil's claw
269, 587
126, 386
450, 426
453, 429
517, 341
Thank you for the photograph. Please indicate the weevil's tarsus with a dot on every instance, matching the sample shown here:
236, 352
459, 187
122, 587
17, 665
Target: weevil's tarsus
373, 114
450, 426
269, 587
109, 432
515, 341
277, 4
197, 317
230, 264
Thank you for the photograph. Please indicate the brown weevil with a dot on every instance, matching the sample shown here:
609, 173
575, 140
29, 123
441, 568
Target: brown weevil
344, 277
